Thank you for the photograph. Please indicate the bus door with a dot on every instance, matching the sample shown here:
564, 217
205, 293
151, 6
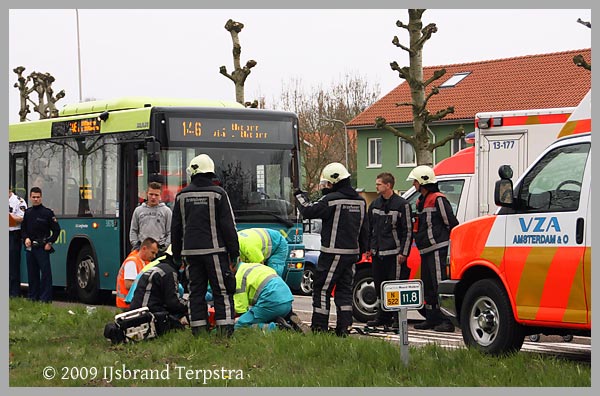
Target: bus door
132, 187
18, 174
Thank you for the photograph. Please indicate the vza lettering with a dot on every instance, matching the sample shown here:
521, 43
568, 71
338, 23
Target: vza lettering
540, 231
539, 224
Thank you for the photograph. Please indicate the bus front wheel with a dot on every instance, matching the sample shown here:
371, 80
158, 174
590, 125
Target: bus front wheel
86, 276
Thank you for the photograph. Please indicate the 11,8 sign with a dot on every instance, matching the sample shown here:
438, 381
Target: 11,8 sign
402, 294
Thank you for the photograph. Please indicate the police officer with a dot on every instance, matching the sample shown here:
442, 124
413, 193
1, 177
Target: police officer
435, 220
390, 237
344, 236
39, 230
16, 210
203, 232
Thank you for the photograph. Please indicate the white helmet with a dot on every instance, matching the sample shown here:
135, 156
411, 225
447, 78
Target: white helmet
334, 172
423, 174
201, 164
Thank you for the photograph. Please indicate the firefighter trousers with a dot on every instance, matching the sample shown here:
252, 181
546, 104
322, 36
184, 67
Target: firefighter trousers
333, 270
213, 268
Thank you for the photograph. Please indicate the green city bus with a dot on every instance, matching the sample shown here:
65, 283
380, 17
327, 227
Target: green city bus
94, 161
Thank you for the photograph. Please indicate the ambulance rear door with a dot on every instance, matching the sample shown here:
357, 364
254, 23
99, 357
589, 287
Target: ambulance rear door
545, 261
496, 148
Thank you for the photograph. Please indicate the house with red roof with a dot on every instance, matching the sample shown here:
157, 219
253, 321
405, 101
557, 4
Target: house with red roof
542, 81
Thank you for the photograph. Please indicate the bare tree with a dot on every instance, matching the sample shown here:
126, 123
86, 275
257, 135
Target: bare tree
239, 74
42, 85
413, 75
322, 141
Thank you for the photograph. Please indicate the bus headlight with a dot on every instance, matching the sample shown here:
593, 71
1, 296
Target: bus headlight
297, 254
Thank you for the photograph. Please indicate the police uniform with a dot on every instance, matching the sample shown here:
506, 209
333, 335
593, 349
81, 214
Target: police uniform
16, 207
203, 231
344, 236
41, 227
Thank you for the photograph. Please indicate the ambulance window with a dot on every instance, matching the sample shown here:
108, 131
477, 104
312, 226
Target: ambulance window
554, 184
452, 189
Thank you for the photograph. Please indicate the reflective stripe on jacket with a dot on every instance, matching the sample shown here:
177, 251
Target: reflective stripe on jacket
121, 289
250, 280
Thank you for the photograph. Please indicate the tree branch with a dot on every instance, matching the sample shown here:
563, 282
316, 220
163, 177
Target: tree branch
458, 133
396, 42
440, 114
436, 75
579, 61
584, 23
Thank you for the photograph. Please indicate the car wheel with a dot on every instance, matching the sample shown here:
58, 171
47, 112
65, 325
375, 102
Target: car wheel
487, 320
534, 338
364, 296
306, 285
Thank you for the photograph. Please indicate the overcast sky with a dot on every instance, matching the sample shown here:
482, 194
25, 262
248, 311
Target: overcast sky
177, 53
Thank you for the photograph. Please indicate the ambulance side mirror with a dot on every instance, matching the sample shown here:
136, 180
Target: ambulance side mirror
503, 190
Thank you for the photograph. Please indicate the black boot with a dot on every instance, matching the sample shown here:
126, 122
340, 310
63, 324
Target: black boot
199, 331
225, 331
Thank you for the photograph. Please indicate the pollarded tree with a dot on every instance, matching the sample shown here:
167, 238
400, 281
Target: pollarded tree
41, 83
239, 74
413, 74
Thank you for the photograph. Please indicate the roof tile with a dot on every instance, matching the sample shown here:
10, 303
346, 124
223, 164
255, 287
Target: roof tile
519, 83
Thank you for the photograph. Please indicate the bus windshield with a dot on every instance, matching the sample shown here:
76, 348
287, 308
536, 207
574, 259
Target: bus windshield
257, 181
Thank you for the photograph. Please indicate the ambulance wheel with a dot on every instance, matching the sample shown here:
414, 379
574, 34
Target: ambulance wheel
487, 320
364, 296
568, 338
534, 338
86, 276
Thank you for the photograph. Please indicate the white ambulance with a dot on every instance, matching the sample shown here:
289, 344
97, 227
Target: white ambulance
527, 269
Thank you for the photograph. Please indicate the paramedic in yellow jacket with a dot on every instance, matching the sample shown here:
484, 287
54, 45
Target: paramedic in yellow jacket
263, 245
261, 297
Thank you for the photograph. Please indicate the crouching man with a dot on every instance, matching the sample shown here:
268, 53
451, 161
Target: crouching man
156, 306
263, 299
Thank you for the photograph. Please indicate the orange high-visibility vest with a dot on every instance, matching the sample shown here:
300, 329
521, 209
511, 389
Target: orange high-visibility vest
121, 289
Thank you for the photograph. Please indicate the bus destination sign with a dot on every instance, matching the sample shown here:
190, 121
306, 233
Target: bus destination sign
200, 129
83, 126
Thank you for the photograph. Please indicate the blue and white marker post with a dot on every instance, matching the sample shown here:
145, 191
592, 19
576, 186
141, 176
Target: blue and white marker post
402, 295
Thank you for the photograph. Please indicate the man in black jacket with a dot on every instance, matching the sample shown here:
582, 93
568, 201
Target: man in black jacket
39, 231
344, 236
203, 231
390, 237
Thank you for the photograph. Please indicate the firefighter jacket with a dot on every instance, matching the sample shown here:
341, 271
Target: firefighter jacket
435, 220
158, 289
203, 221
344, 214
390, 226
254, 281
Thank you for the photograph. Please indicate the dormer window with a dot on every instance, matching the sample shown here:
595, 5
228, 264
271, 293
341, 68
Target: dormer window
455, 79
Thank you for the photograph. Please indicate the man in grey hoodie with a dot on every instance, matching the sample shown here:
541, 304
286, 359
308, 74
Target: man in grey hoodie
151, 219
